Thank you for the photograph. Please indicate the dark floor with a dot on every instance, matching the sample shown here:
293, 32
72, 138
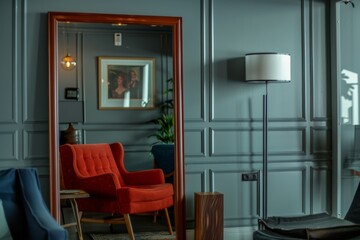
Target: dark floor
140, 223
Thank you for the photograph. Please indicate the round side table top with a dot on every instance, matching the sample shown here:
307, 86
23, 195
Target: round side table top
73, 193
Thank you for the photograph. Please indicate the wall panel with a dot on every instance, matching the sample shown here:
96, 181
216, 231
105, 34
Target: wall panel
36, 146
136, 144
194, 54
281, 141
320, 140
227, 142
35, 63
286, 141
130, 136
9, 143
286, 191
195, 142
241, 204
320, 60
195, 181
9, 41
320, 195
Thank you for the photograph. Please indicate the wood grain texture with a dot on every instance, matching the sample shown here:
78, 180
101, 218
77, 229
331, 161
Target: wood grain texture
209, 216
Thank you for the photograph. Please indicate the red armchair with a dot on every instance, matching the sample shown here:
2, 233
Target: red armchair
99, 170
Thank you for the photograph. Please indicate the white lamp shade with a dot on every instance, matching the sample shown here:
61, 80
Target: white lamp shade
267, 67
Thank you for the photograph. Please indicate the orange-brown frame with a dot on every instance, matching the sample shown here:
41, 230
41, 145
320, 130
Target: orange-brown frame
176, 24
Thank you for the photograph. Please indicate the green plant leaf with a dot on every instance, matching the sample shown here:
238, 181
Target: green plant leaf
165, 132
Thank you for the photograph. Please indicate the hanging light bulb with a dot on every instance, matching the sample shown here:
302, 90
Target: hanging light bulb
68, 62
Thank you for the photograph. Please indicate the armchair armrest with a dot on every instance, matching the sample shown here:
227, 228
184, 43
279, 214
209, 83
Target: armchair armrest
145, 177
100, 185
40, 222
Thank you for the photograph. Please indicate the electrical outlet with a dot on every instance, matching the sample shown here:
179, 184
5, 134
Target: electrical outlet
249, 176
117, 39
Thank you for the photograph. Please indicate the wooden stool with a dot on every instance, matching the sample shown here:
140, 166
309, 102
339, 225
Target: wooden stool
71, 195
209, 216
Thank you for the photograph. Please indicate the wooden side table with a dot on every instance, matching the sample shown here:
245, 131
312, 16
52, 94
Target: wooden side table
71, 196
209, 216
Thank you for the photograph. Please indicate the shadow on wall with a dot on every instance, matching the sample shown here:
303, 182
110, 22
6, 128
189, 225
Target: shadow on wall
236, 69
349, 97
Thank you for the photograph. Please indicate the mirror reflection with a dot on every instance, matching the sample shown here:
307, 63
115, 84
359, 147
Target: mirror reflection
126, 65
113, 82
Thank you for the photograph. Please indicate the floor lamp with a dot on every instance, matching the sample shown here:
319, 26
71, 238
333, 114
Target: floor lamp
264, 68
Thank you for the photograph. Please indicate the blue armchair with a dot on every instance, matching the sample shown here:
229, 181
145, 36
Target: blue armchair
25, 211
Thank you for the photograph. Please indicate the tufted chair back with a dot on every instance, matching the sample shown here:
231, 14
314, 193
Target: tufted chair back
88, 160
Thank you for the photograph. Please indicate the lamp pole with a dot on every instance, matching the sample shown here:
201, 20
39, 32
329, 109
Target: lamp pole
265, 155
260, 68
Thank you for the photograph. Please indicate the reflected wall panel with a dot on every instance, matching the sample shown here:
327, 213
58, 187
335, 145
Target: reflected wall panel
136, 145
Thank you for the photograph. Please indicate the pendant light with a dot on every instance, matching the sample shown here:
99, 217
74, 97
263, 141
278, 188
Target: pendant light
68, 62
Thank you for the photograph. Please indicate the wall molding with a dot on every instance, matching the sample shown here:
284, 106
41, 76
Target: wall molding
253, 135
11, 137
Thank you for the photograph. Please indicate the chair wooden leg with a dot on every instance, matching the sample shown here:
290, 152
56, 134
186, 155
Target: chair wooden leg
129, 226
62, 214
77, 217
168, 221
155, 215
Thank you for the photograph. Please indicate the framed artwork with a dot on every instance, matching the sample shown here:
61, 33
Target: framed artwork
126, 83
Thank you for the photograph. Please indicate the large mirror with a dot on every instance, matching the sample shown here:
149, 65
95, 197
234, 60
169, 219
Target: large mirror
57, 23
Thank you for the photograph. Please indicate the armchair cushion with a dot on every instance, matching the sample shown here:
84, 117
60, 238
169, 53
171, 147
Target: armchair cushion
145, 193
25, 210
40, 223
145, 177
12, 203
4, 228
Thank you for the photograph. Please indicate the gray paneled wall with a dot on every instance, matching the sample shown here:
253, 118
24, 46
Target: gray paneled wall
223, 114
230, 124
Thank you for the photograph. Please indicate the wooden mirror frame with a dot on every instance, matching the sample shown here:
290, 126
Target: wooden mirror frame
176, 24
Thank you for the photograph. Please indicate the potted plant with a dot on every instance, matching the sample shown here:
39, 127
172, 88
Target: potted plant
163, 149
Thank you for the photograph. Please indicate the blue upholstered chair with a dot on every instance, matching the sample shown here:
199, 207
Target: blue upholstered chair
25, 212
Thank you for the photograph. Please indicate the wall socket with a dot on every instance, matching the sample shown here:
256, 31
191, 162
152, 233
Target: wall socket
249, 176
117, 39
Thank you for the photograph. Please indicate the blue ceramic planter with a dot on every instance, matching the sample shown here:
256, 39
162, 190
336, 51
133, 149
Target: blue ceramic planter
164, 156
